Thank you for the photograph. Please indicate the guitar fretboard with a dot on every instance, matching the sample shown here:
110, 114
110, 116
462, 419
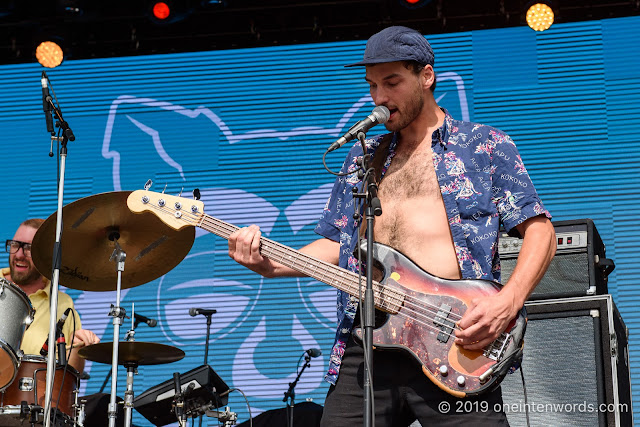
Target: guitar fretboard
386, 299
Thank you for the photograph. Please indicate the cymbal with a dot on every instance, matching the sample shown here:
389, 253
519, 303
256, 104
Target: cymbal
132, 352
90, 227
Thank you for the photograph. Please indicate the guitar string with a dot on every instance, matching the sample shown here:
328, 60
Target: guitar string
419, 317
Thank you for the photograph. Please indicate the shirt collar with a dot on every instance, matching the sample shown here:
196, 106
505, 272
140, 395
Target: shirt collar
441, 135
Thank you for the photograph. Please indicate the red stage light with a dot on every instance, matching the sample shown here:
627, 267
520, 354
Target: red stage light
161, 10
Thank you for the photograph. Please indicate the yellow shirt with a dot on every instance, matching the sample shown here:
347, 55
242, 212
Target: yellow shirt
37, 332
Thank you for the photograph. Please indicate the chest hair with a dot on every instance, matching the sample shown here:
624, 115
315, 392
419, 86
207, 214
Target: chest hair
410, 176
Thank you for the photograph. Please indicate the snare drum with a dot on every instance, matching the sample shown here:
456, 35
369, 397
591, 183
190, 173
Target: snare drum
16, 313
30, 385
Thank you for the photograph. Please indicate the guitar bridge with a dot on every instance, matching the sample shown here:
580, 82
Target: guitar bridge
496, 349
445, 326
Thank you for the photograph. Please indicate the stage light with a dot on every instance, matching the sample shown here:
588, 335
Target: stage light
540, 15
414, 4
167, 12
49, 54
161, 10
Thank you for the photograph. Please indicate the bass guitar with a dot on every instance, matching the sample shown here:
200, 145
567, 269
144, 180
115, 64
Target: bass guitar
422, 310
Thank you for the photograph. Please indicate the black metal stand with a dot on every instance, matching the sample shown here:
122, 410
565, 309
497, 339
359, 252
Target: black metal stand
290, 394
206, 347
372, 209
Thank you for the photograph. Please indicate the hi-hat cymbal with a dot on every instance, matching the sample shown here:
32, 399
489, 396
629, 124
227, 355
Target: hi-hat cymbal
132, 352
90, 227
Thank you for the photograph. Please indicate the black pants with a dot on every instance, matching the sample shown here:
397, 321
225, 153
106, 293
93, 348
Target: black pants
402, 394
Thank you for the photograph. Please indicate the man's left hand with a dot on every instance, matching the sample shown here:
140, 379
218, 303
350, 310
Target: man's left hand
486, 318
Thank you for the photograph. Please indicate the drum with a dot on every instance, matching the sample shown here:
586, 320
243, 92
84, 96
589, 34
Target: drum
30, 385
16, 313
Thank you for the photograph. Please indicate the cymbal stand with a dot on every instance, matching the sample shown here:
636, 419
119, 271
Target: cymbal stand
118, 314
128, 337
132, 368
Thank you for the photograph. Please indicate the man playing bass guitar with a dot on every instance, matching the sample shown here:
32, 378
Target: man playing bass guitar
445, 187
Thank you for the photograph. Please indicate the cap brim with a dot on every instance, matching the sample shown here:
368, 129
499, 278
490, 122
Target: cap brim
378, 61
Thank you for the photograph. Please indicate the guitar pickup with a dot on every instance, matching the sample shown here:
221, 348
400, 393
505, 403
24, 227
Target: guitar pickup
445, 326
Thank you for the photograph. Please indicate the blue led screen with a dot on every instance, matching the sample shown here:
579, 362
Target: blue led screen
248, 129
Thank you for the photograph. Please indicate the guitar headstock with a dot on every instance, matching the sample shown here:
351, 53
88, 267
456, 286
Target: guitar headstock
176, 212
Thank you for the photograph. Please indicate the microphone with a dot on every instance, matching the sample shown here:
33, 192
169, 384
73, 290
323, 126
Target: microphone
46, 104
144, 319
45, 347
380, 114
314, 352
204, 311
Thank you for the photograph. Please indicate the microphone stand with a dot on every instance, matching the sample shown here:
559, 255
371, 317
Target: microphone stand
67, 135
290, 395
206, 347
372, 209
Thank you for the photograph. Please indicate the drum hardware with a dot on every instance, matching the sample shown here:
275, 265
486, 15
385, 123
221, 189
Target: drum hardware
79, 409
141, 353
227, 417
103, 227
23, 400
92, 225
131, 354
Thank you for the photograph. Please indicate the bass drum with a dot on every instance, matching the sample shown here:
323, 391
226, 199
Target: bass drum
16, 314
30, 385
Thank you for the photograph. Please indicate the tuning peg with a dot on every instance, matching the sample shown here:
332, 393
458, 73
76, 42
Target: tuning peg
196, 194
148, 184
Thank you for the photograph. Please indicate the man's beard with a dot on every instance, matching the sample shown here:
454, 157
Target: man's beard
411, 111
24, 277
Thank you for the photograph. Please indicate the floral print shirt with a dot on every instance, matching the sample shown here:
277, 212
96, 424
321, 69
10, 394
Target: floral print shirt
483, 182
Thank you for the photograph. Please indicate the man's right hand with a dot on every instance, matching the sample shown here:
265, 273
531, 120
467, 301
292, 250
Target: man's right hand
244, 248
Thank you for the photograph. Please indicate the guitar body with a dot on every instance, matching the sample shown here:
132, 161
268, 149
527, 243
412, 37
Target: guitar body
424, 326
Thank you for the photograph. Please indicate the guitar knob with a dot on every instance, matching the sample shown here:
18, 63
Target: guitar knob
444, 370
461, 381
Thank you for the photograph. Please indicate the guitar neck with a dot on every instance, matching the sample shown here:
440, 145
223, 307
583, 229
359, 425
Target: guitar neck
322, 271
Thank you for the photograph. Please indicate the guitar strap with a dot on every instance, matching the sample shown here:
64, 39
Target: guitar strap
377, 163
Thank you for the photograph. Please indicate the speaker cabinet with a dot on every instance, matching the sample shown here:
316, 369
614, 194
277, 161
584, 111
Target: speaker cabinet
575, 366
579, 268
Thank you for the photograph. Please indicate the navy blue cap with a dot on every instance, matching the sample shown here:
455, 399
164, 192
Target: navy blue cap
396, 44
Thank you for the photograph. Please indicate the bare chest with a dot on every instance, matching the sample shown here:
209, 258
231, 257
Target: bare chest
410, 177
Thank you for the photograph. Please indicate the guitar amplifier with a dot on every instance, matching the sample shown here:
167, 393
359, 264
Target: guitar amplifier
575, 365
579, 268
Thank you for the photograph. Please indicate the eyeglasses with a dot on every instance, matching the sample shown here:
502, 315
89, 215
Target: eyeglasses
12, 246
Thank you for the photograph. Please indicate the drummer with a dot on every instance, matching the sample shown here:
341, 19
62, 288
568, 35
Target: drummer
23, 273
